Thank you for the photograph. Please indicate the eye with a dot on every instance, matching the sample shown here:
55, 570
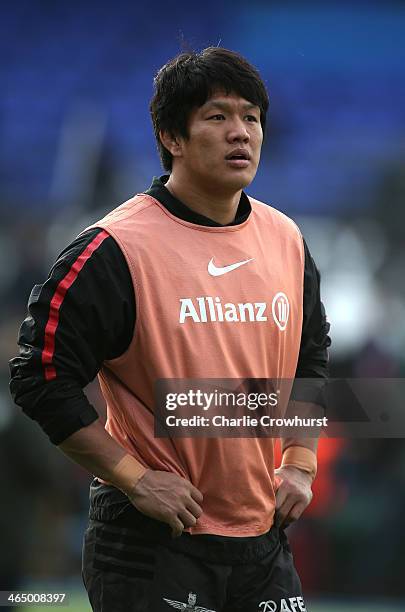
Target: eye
217, 117
251, 118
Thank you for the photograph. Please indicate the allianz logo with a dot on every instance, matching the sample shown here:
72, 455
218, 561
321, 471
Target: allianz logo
208, 309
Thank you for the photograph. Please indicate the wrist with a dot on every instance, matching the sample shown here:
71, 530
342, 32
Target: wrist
127, 473
301, 458
290, 469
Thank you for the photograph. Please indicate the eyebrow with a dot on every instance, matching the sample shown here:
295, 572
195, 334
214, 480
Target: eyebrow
226, 105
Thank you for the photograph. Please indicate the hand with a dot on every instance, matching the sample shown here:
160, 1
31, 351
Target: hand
168, 498
294, 493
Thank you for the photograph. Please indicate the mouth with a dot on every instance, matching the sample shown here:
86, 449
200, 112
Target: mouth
238, 158
238, 154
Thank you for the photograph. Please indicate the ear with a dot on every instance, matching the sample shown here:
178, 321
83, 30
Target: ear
171, 143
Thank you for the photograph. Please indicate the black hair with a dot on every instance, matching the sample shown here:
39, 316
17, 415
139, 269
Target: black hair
188, 81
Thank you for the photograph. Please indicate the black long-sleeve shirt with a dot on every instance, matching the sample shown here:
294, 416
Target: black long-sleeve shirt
95, 324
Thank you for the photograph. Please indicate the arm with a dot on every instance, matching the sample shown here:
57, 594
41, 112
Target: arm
163, 496
71, 328
299, 465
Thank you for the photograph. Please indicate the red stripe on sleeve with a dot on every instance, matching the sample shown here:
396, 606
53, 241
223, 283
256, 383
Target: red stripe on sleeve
57, 301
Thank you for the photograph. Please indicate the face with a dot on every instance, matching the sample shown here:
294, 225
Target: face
222, 151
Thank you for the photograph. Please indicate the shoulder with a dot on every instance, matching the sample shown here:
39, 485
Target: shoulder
129, 220
268, 213
92, 256
127, 211
93, 241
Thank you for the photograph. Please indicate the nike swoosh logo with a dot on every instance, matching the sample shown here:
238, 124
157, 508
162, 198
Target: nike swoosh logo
215, 271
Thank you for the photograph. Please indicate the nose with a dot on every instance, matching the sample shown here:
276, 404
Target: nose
238, 132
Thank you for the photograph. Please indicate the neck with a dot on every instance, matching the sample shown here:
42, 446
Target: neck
216, 206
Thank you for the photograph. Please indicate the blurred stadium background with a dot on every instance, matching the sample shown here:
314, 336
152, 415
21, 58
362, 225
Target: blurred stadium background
76, 140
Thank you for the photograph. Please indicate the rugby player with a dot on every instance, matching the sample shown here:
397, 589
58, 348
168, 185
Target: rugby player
196, 524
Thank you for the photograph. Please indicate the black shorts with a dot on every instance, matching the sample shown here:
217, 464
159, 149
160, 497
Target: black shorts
132, 564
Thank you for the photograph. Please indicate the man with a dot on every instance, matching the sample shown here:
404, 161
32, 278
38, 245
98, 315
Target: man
184, 523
